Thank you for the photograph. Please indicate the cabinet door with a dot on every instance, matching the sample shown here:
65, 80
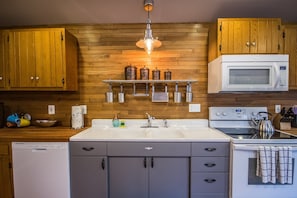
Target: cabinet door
6, 186
128, 177
88, 177
291, 49
169, 177
22, 59
234, 36
49, 58
265, 36
3, 58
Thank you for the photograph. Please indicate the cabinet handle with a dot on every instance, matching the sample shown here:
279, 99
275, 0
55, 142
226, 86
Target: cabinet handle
31, 78
210, 149
1, 78
144, 162
152, 162
210, 180
103, 164
37, 78
148, 148
253, 43
209, 165
88, 148
247, 43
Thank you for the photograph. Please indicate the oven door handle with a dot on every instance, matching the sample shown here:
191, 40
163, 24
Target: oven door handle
253, 147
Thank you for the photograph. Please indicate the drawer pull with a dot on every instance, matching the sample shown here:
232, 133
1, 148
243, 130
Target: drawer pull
210, 180
88, 148
103, 164
148, 148
209, 165
210, 149
144, 162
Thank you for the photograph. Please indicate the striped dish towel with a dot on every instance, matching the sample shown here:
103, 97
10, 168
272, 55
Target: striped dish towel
285, 165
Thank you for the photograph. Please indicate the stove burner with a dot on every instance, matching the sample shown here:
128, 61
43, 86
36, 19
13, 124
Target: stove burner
252, 133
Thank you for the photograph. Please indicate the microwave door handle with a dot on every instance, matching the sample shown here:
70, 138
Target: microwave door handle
277, 75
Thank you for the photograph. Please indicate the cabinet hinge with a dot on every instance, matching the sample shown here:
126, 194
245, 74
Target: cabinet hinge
278, 46
220, 47
62, 37
63, 81
279, 27
221, 27
284, 35
9, 165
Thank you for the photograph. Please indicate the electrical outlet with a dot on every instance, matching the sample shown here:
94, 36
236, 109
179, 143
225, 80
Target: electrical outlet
84, 108
194, 107
277, 108
51, 109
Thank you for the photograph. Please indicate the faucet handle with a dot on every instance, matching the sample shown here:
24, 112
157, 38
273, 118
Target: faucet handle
165, 123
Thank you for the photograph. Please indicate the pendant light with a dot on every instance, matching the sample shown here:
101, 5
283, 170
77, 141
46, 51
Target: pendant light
148, 43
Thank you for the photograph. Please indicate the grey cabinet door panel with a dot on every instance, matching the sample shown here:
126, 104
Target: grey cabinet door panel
148, 149
169, 177
88, 177
88, 148
209, 164
128, 177
210, 149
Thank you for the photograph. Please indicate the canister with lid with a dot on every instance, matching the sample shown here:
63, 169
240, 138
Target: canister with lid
130, 72
167, 75
156, 74
144, 73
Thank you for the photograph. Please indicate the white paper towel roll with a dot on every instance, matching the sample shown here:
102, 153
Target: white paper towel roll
77, 121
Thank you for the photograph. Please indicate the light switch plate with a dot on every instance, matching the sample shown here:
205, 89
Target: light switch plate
194, 107
51, 109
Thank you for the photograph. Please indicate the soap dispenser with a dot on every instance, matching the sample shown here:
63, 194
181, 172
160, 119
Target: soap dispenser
116, 121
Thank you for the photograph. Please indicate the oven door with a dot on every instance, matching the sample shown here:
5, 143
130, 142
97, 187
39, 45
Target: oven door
245, 184
254, 76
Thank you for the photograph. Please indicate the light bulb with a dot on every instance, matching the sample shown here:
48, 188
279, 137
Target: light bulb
148, 45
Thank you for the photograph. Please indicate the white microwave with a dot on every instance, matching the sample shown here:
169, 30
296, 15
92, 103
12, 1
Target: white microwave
238, 73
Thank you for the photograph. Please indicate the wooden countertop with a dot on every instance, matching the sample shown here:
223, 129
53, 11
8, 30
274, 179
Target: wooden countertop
37, 134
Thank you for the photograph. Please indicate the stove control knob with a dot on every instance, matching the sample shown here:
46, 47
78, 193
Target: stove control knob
218, 114
224, 114
254, 113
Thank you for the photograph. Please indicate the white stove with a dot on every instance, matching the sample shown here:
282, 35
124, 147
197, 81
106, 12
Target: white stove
245, 143
236, 122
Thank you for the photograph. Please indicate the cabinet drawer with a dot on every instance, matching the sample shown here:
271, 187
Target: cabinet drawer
4, 149
209, 182
207, 164
210, 149
148, 149
88, 148
209, 195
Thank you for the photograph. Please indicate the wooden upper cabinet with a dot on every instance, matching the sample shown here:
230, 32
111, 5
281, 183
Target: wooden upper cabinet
290, 47
245, 36
42, 59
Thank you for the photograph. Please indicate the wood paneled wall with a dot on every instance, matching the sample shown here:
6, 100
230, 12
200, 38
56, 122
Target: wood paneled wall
105, 50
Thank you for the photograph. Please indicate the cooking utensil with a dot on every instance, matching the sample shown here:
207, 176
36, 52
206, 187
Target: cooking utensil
294, 109
264, 125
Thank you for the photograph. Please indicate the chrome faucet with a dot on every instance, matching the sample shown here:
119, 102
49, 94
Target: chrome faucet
149, 120
165, 123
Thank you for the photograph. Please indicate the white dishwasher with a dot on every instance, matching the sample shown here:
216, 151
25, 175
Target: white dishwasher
41, 169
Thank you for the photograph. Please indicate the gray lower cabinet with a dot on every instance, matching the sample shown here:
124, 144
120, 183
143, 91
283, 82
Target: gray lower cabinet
210, 170
149, 170
88, 170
